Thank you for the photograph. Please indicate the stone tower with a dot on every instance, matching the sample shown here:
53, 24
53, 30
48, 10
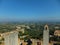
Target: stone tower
46, 35
11, 38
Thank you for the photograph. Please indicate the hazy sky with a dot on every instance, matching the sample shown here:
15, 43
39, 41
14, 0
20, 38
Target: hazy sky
17, 10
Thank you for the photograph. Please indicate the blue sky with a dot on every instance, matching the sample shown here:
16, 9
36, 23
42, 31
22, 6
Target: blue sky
37, 10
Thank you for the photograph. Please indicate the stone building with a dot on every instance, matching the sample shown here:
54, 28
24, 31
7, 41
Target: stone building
57, 33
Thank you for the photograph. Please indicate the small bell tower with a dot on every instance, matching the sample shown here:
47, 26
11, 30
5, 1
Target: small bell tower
46, 35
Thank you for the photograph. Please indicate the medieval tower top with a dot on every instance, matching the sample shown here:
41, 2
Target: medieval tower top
46, 27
